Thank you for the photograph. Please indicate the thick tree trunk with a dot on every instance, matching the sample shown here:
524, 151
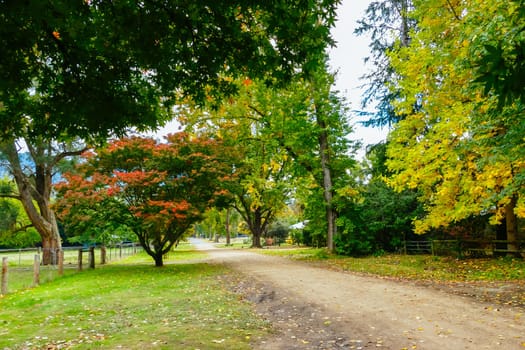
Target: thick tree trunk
256, 239
257, 229
512, 227
43, 218
257, 220
155, 252
51, 247
159, 261
158, 250
51, 241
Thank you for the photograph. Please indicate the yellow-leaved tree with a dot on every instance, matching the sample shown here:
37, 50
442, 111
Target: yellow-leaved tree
456, 143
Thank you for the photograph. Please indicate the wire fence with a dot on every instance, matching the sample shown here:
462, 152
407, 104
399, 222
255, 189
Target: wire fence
24, 257
27, 267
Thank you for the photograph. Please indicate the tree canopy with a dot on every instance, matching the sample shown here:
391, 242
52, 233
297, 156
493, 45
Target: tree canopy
158, 190
93, 68
462, 157
281, 135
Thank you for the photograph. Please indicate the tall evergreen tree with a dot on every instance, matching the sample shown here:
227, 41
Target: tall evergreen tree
388, 23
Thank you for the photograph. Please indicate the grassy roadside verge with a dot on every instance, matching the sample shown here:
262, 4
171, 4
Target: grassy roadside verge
131, 305
414, 267
20, 274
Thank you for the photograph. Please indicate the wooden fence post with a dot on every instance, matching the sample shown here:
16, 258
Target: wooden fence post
80, 259
4, 276
103, 255
91, 257
61, 262
36, 270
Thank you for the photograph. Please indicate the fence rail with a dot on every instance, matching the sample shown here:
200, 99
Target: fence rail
466, 248
24, 256
24, 268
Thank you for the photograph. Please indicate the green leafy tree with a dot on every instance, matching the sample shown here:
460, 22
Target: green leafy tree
314, 134
283, 134
32, 173
376, 218
157, 190
218, 222
93, 69
278, 231
497, 48
213, 222
262, 186
99, 66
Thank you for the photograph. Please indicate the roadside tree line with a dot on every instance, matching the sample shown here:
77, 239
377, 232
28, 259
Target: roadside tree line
75, 74
264, 133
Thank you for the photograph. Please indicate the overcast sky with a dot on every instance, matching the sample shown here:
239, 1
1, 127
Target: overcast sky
347, 58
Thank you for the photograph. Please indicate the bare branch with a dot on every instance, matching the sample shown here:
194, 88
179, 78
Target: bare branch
63, 155
453, 10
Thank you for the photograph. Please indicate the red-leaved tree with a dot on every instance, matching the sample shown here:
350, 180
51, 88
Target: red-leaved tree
158, 190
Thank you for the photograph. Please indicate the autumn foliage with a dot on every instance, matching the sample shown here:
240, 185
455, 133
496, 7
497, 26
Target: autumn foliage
158, 190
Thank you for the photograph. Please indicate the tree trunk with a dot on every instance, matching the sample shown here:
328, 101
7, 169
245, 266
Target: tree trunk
50, 249
158, 250
256, 239
159, 262
227, 227
257, 229
405, 28
324, 151
512, 227
43, 218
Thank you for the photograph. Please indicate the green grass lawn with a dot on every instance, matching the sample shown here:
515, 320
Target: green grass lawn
131, 305
422, 267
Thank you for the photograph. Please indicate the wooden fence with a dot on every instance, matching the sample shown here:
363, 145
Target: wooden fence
466, 248
23, 268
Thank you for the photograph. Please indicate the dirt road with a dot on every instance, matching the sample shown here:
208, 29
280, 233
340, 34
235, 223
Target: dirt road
315, 308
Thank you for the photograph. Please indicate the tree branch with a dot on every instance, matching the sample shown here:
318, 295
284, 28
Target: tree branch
453, 10
63, 155
13, 196
23, 228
